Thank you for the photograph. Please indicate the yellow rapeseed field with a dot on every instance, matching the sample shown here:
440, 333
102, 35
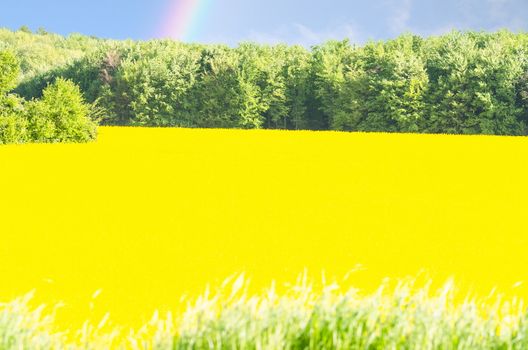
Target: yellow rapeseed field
134, 221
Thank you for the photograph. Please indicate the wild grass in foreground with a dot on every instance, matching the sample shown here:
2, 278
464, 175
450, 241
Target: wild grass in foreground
406, 317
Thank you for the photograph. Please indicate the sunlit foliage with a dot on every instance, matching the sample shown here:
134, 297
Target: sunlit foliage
460, 82
61, 115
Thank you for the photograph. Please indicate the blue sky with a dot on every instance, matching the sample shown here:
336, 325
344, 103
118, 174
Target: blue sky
305, 22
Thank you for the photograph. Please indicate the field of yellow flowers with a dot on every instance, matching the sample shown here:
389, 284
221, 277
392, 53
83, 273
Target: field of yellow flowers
133, 222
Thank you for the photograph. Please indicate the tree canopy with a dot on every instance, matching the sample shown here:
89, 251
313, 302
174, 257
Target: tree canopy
460, 82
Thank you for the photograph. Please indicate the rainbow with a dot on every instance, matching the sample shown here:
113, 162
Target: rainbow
184, 18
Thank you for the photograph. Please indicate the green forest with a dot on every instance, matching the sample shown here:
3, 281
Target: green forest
55, 88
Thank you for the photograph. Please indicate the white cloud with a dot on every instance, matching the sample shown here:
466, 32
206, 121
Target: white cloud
301, 34
494, 14
399, 19
489, 15
267, 38
309, 36
444, 29
507, 14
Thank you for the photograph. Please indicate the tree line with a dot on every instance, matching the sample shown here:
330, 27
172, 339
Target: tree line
460, 82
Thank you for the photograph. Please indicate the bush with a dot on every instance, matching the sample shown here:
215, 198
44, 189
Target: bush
61, 115
9, 71
13, 122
